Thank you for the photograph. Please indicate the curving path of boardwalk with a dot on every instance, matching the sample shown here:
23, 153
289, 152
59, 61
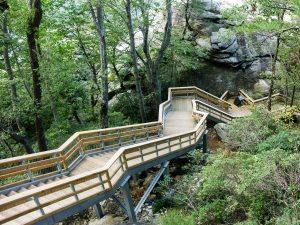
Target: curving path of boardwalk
45, 188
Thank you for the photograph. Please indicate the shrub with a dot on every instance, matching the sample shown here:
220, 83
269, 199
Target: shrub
245, 133
285, 140
176, 217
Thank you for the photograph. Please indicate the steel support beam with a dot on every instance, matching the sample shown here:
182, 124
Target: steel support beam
119, 203
128, 202
98, 210
204, 141
163, 171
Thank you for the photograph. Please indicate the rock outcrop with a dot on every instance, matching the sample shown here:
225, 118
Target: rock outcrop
240, 50
220, 128
247, 52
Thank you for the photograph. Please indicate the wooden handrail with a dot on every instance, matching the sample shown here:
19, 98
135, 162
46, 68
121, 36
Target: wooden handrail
111, 174
123, 160
69, 152
203, 94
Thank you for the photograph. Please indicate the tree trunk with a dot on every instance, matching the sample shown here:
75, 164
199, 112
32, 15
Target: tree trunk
14, 96
134, 61
93, 69
187, 18
164, 46
104, 78
153, 66
293, 96
99, 22
18, 138
274, 61
34, 22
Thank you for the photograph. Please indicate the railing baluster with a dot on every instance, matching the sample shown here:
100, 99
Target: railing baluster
125, 161
119, 136
37, 202
142, 157
108, 178
74, 191
81, 152
63, 161
180, 144
101, 181
120, 161
134, 137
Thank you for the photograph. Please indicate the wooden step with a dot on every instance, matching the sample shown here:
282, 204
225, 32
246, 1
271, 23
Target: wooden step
22, 190
31, 187
3, 196
11, 193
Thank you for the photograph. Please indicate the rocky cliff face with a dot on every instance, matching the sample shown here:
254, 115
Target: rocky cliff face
251, 53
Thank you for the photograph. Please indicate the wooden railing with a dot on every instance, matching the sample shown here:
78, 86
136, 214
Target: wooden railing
54, 197
197, 92
214, 112
252, 101
18, 170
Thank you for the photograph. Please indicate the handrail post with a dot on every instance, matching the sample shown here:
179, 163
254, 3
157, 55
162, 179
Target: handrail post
81, 152
125, 161
180, 144
141, 152
58, 166
108, 179
119, 136
121, 162
63, 161
28, 171
74, 191
101, 181
37, 202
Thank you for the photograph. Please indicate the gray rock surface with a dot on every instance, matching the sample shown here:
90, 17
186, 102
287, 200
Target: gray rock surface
240, 50
250, 53
106, 220
221, 130
262, 86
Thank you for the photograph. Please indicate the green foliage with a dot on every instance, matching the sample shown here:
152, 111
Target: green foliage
183, 56
176, 217
246, 133
257, 186
288, 140
118, 119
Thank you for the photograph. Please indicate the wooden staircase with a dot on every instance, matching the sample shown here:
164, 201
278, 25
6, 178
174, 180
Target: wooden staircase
45, 188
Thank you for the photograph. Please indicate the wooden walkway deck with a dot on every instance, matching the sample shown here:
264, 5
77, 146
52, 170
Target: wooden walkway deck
45, 187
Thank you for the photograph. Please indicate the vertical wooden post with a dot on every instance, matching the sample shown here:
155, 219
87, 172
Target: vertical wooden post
63, 161
108, 178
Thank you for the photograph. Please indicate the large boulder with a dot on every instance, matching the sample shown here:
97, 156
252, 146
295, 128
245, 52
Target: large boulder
240, 50
261, 86
221, 129
204, 42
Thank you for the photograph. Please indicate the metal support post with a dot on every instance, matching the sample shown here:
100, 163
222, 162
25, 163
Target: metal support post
98, 210
128, 203
205, 139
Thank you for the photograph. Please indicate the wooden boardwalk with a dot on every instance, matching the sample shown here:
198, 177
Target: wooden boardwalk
44, 188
